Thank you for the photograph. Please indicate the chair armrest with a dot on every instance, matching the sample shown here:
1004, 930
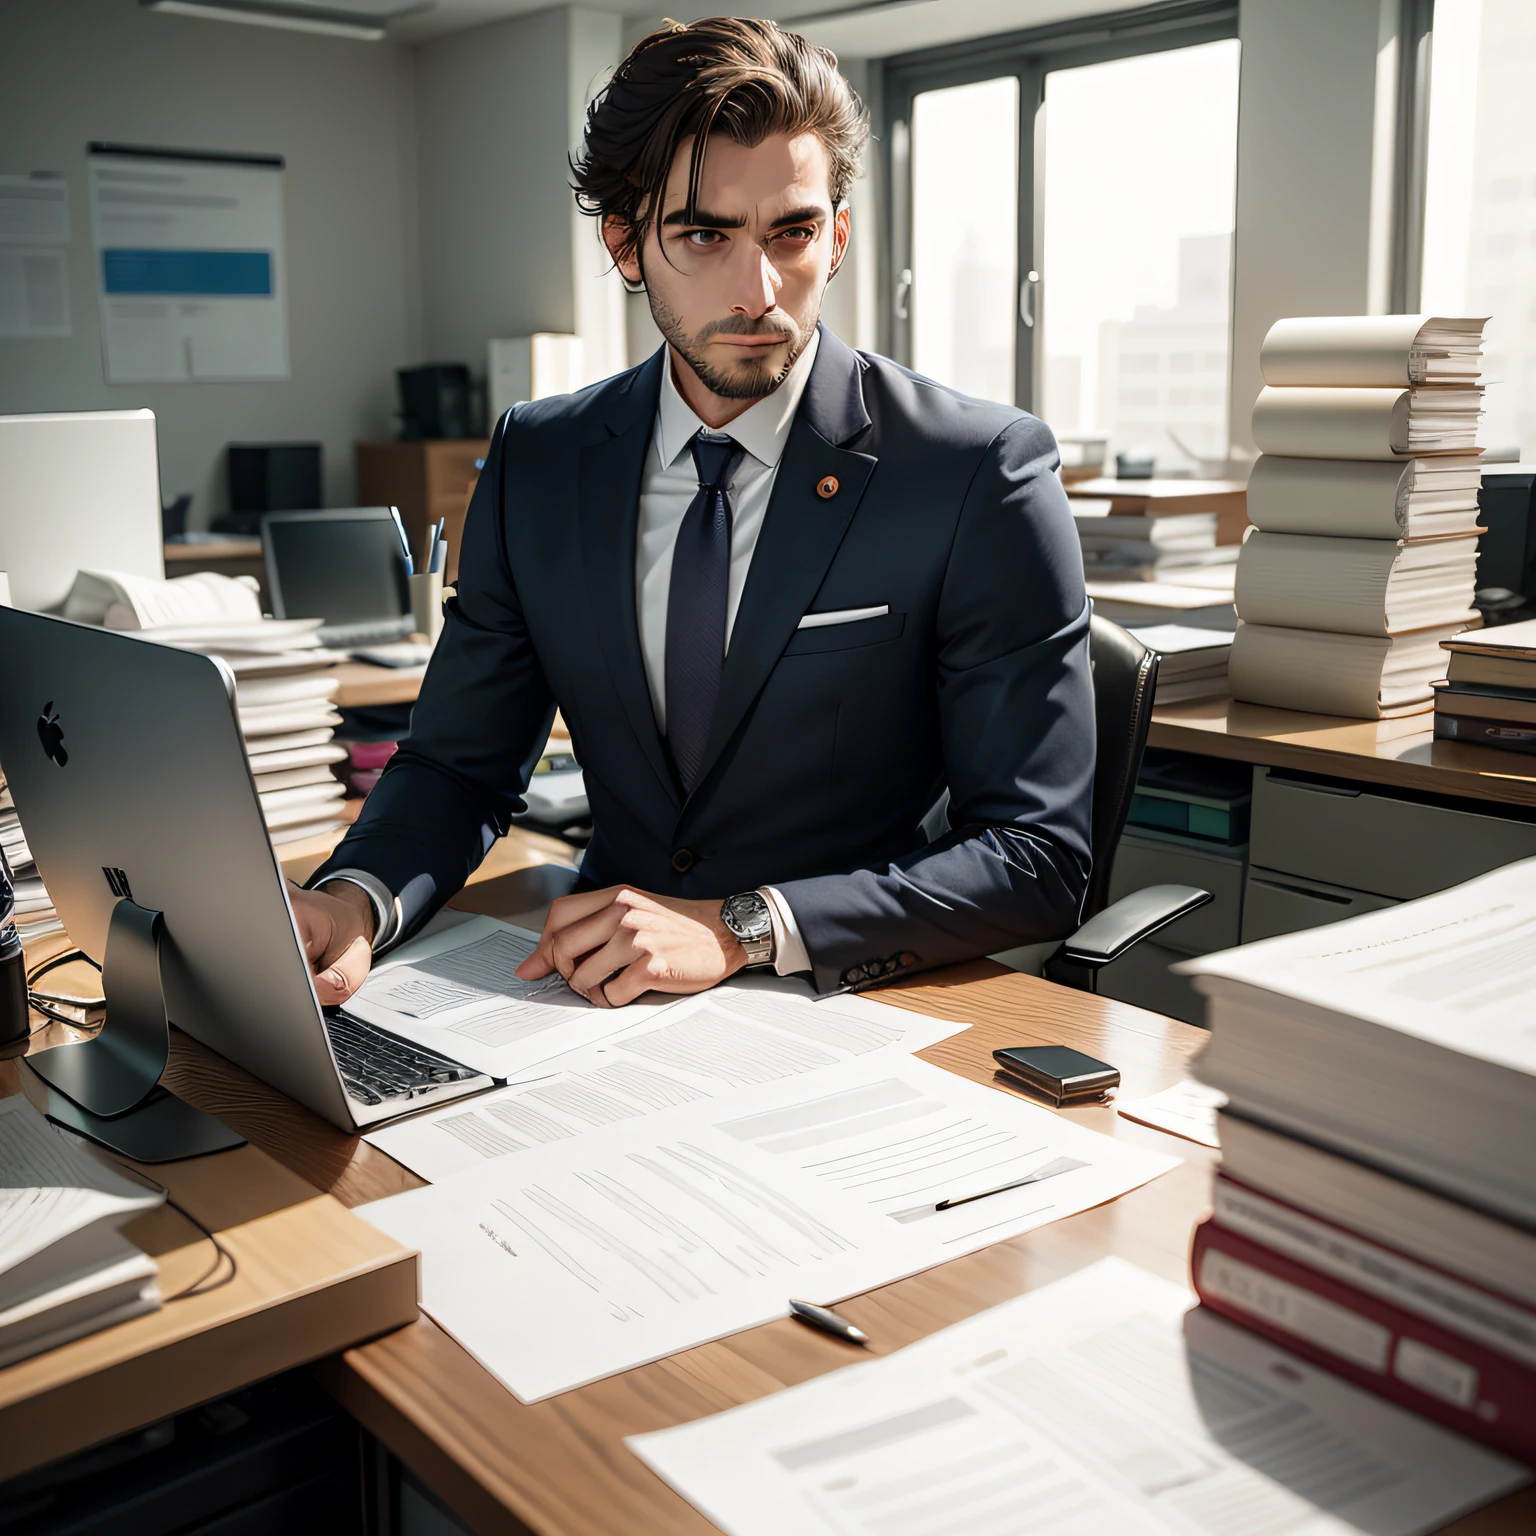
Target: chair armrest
1129, 920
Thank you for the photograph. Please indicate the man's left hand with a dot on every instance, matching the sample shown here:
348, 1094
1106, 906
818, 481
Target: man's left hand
614, 945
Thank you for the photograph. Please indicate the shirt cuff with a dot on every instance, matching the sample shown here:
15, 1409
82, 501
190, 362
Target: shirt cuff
789, 954
386, 910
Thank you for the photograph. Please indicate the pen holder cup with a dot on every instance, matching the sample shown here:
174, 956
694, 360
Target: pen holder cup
427, 603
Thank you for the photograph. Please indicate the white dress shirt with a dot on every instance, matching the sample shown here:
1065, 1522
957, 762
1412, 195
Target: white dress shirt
670, 483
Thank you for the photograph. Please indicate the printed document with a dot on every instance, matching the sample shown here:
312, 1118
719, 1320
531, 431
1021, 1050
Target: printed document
1187, 1109
595, 1253
455, 989
1091, 1405
705, 1048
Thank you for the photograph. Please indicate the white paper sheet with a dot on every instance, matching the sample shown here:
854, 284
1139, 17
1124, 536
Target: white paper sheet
590, 1255
34, 210
34, 294
1187, 1109
455, 990
1088, 1406
51, 1187
702, 1048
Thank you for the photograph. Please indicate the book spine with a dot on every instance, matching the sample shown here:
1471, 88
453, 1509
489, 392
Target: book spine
1485, 733
1368, 1341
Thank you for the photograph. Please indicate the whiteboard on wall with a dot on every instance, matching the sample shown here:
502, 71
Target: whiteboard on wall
189, 264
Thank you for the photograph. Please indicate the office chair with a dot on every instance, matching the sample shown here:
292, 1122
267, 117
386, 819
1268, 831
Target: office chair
1124, 681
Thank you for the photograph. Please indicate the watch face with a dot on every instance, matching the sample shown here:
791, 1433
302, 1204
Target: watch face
747, 915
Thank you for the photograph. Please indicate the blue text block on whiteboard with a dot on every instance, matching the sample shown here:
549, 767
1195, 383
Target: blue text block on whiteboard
199, 274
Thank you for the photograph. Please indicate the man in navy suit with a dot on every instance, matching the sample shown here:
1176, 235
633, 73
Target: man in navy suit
784, 594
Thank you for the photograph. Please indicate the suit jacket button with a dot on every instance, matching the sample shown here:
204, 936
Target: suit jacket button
683, 860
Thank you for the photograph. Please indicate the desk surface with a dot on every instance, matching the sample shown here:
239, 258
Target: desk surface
309, 1279
560, 1468
1400, 753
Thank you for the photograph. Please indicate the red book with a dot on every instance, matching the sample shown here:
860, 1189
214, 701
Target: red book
1426, 1340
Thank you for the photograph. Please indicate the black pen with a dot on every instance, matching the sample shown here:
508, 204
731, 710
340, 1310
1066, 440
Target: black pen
828, 1321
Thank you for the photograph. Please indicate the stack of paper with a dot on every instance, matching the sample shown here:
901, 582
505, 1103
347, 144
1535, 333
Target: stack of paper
1089, 1406
1139, 547
684, 1178
1489, 695
1365, 501
65, 1270
284, 686
35, 916
1192, 662
1378, 1193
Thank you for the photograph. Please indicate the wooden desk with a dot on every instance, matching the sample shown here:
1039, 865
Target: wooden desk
363, 684
310, 1278
1400, 753
560, 1468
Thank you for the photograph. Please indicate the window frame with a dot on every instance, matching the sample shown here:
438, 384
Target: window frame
1029, 56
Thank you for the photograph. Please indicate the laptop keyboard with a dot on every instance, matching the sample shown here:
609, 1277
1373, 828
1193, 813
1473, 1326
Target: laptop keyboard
377, 1067
347, 637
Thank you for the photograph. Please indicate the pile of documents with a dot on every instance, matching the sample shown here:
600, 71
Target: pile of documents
284, 681
1093, 1405
685, 1168
1141, 547
1489, 696
1375, 1211
65, 1269
1192, 662
35, 916
1365, 506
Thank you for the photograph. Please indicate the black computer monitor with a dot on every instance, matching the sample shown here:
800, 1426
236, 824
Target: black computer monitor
345, 565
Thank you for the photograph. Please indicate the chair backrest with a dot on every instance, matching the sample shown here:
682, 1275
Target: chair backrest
1124, 680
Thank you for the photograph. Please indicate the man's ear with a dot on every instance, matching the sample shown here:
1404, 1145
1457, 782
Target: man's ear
841, 224
619, 237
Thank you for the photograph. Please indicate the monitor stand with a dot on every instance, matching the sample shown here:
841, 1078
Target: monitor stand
107, 1088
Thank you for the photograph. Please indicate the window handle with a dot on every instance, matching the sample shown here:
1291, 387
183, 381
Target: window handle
1027, 291
903, 294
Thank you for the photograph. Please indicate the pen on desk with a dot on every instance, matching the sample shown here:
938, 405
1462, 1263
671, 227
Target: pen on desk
439, 556
828, 1321
435, 539
405, 543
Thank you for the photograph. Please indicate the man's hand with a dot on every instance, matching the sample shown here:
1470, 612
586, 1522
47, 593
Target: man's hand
613, 945
336, 927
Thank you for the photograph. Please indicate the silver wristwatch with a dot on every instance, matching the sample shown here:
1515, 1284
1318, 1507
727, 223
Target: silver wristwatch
748, 918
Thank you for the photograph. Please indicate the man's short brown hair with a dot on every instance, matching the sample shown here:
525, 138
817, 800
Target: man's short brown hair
728, 75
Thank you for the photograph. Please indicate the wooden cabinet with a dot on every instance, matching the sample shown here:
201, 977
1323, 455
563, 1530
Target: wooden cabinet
428, 479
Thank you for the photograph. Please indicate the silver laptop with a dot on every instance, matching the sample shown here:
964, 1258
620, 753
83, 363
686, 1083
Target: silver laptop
345, 566
130, 777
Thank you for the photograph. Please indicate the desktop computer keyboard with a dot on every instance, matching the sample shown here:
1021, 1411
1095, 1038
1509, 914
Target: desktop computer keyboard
376, 1066
347, 637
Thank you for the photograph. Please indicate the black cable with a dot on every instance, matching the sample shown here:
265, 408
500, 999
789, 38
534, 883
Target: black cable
222, 1255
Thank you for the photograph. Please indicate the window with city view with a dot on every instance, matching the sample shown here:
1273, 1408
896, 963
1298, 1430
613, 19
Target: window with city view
1479, 254
1140, 172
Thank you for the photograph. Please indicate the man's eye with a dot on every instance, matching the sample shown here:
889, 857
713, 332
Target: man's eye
703, 237
798, 232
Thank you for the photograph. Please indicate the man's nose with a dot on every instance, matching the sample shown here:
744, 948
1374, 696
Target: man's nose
755, 284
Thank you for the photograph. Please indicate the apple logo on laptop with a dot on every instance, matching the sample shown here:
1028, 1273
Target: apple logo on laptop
51, 734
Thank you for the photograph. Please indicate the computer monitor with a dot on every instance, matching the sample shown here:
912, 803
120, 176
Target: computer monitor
345, 565
78, 491
130, 776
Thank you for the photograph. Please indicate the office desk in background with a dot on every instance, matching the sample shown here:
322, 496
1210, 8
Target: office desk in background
426, 480
560, 1468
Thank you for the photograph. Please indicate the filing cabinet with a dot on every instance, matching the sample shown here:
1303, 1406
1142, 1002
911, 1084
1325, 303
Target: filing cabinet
1276, 903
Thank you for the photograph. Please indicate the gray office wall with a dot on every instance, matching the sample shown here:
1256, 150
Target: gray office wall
342, 114
493, 118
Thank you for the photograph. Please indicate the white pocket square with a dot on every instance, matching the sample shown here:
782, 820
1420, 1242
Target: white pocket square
842, 616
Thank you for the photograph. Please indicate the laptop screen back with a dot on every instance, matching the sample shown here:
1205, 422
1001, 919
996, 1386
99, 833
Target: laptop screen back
345, 568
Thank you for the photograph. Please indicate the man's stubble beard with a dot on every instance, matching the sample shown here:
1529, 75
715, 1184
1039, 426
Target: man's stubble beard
747, 380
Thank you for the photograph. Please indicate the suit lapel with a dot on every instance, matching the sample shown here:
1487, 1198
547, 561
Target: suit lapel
800, 535
608, 506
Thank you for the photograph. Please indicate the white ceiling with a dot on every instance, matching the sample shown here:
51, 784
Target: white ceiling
849, 27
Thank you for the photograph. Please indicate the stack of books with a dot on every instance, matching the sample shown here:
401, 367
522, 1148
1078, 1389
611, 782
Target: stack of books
35, 916
1138, 547
65, 1268
284, 682
1365, 509
1489, 696
1375, 1208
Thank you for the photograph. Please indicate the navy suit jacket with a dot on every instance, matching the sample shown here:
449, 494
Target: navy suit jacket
830, 743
